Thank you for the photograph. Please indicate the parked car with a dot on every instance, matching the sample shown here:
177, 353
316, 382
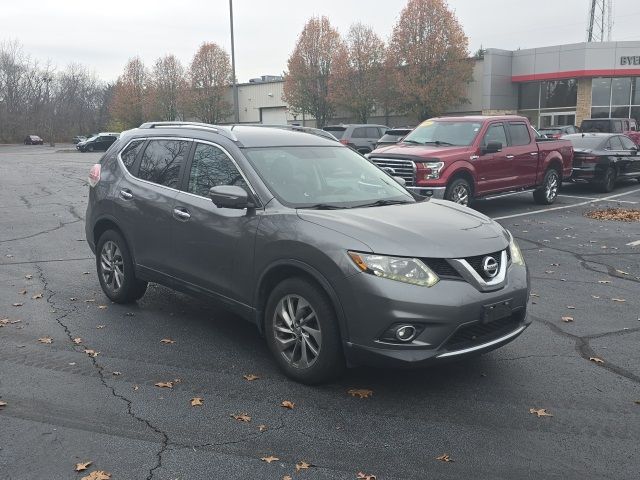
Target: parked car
79, 138
558, 131
462, 158
626, 126
33, 140
392, 136
361, 137
98, 143
604, 158
328, 256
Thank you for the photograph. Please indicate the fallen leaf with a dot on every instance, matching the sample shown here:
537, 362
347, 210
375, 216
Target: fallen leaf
167, 341
242, 417
604, 281
595, 296
571, 307
102, 307
540, 412
287, 477
45, 340
620, 214
135, 387
250, 377
82, 466
197, 401
637, 402
360, 392
302, 465
100, 326
97, 475
288, 404
164, 384
28, 277
269, 459
37, 296
444, 458
3, 404
72, 299
18, 304
622, 272
567, 319
129, 314
548, 271
262, 428
620, 300
91, 300
22, 292
77, 340
534, 295
116, 373
365, 476
596, 360
85, 273
91, 353
14, 321
177, 380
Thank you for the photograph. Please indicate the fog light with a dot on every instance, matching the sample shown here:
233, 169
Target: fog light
406, 333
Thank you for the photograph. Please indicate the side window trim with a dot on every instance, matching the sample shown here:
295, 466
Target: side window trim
185, 183
133, 172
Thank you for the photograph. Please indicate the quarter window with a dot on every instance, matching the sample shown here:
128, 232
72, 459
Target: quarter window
162, 161
130, 153
519, 134
212, 167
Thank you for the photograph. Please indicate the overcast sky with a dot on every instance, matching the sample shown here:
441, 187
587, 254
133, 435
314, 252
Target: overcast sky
103, 35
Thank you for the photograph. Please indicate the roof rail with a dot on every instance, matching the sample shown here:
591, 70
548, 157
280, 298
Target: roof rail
295, 128
197, 125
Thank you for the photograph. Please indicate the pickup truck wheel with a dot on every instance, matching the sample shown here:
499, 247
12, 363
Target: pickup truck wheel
301, 330
608, 181
548, 192
458, 191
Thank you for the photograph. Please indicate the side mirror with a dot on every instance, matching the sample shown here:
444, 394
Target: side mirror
401, 181
492, 147
230, 196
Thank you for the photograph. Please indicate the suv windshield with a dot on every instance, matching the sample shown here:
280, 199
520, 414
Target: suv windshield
324, 177
337, 132
447, 133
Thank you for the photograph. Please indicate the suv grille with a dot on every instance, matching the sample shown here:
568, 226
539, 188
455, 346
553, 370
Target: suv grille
441, 267
476, 263
402, 168
478, 333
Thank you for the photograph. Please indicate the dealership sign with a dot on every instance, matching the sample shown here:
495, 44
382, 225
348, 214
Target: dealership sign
630, 60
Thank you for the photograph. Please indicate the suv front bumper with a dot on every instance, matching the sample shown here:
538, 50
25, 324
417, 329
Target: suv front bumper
433, 192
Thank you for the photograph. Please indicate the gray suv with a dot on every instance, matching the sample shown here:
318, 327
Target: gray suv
333, 260
361, 137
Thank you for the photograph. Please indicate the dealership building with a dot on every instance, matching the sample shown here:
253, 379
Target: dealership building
557, 85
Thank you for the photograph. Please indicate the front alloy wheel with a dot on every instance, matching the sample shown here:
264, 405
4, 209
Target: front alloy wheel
297, 331
459, 191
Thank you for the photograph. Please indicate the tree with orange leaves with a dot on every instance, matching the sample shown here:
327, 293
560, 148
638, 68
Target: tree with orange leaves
210, 77
430, 51
129, 107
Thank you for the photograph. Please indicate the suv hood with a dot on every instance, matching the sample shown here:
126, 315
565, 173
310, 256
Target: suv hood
433, 228
425, 151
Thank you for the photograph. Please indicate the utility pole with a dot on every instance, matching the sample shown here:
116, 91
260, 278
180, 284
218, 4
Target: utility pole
236, 107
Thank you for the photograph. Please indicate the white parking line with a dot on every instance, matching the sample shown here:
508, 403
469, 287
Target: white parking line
576, 196
603, 199
634, 244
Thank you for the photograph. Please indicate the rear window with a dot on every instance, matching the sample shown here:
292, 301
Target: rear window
603, 126
550, 131
586, 142
337, 132
360, 132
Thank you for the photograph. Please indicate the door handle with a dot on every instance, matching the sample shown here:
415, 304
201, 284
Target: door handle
533, 153
126, 194
181, 214
509, 157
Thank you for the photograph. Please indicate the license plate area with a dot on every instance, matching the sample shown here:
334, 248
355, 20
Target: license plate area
497, 311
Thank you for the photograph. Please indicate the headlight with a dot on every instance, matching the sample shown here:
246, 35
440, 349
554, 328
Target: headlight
429, 170
516, 253
407, 270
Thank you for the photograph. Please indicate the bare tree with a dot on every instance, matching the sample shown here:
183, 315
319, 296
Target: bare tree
357, 67
210, 76
168, 88
129, 107
430, 52
306, 85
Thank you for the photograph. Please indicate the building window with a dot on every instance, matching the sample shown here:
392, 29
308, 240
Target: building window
620, 91
615, 97
559, 93
601, 92
529, 95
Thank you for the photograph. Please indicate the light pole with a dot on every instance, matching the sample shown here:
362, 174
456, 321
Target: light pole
47, 79
236, 107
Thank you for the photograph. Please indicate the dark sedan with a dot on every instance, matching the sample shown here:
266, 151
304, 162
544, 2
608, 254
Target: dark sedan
604, 158
33, 140
98, 143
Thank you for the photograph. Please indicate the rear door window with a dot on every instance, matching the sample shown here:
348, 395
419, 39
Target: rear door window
519, 134
162, 161
614, 144
373, 132
211, 167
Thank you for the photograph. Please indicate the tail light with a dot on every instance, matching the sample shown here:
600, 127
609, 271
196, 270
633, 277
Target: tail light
426, 171
94, 175
588, 159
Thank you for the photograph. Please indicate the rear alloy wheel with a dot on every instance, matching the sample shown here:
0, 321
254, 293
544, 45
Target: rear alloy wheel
608, 182
90, 148
548, 192
302, 332
115, 269
458, 191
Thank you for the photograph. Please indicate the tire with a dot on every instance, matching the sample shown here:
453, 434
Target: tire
548, 192
90, 148
459, 191
608, 182
306, 357
120, 283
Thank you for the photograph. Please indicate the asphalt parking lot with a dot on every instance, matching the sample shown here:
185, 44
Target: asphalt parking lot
65, 406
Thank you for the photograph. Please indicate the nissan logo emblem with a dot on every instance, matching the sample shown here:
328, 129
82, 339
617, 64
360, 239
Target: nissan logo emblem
490, 266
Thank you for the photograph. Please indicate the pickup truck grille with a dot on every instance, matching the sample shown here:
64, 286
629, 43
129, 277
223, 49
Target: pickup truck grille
402, 168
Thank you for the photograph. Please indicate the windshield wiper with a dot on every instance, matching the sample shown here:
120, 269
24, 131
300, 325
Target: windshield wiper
411, 141
439, 142
323, 206
382, 203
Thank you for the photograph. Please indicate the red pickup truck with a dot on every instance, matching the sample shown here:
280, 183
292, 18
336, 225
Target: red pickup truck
462, 158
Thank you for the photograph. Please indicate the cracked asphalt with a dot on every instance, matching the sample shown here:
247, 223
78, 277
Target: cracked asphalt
65, 406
